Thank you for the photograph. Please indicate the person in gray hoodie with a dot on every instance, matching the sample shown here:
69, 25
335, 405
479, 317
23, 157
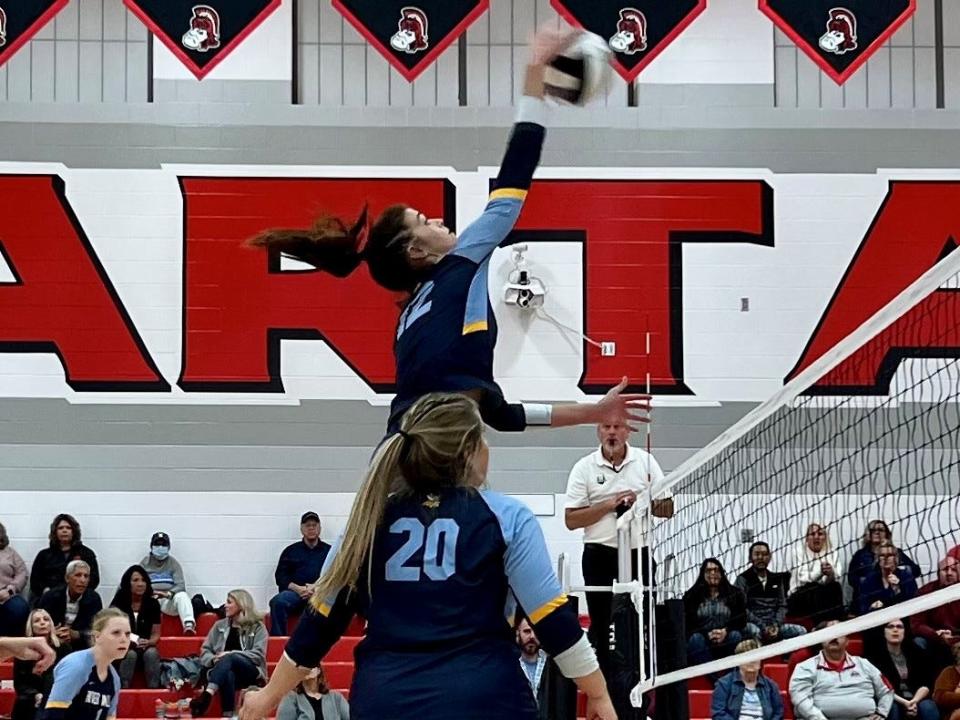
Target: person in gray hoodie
166, 576
314, 700
234, 654
836, 686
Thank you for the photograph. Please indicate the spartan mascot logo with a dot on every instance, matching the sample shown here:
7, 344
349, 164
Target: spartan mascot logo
411, 36
841, 34
631, 36
3, 27
204, 32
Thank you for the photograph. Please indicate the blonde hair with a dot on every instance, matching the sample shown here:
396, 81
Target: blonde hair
101, 619
827, 543
52, 636
438, 436
746, 646
248, 614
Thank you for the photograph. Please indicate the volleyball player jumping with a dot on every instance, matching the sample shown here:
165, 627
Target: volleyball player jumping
447, 331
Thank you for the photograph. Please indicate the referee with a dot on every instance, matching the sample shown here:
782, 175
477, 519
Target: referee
601, 486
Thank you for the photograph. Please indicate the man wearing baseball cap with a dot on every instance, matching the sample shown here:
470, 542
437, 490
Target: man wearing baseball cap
297, 572
166, 576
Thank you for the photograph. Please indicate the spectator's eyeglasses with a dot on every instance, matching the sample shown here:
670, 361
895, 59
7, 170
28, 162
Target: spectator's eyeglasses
893, 555
894, 627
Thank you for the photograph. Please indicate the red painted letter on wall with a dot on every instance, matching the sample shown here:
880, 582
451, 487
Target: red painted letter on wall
916, 225
238, 305
633, 233
62, 300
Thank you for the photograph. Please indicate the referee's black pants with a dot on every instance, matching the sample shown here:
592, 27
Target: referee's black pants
599, 565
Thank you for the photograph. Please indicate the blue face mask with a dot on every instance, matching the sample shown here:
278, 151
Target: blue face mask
160, 552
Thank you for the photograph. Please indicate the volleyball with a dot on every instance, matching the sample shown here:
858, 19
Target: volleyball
582, 73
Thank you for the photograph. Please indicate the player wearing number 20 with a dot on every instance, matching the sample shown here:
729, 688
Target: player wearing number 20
435, 565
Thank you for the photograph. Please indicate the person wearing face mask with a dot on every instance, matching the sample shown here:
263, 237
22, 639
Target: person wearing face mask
166, 577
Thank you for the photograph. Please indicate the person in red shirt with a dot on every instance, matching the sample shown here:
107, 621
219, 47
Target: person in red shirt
938, 629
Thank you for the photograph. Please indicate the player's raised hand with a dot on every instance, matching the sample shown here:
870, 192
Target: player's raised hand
628, 408
549, 41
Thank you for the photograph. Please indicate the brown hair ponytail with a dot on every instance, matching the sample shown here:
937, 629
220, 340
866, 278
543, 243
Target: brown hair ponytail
333, 246
328, 245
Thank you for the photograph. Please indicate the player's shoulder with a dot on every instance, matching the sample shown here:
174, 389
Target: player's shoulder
510, 512
76, 664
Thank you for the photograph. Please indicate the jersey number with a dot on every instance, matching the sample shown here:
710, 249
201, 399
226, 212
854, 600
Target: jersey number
442, 533
418, 307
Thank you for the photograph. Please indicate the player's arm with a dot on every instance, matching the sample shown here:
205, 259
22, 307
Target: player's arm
539, 594
317, 631
69, 677
514, 417
513, 181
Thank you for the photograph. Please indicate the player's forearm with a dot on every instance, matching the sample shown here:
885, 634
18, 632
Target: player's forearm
568, 414
592, 685
285, 678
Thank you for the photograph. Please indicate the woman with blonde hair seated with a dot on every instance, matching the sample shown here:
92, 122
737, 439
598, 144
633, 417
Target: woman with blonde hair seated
234, 654
32, 687
314, 700
818, 589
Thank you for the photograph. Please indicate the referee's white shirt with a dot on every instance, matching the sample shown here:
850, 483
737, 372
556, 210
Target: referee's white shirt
593, 479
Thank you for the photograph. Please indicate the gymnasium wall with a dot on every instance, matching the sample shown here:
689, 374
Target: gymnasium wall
729, 106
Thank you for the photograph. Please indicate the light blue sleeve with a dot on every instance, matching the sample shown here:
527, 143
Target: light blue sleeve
485, 234
329, 601
527, 563
69, 676
116, 693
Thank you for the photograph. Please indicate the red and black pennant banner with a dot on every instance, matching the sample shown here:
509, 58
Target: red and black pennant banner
411, 35
20, 20
636, 30
839, 35
202, 34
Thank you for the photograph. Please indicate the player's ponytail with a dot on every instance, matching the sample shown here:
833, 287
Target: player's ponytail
328, 245
439, 435
332, 245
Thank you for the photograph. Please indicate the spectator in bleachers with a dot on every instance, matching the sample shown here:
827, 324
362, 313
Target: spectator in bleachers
85, 684
166, 577
314, 700
745, 693
533, 660
14, 609
766, 594
946, 691
865, 559
818, 592
32, 687
906, 669
135, 597
73, 606
834, 685
939, 628
297, 573
716, 614
888, 583
66, 545
234, 654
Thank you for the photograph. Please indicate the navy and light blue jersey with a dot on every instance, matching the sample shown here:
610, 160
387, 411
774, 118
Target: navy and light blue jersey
447, 332
78, 693
446, 572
